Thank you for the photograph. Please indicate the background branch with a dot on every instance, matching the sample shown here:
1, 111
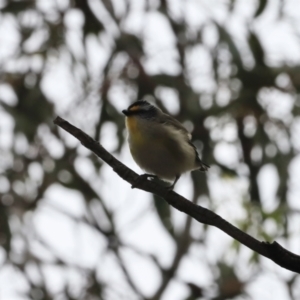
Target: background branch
273, 251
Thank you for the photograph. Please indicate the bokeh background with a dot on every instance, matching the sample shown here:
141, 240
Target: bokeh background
70, 228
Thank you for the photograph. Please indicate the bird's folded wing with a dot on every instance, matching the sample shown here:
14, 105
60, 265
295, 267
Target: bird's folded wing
170, 121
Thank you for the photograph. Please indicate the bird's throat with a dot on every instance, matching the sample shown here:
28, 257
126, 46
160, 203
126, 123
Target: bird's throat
135, 134
131, 124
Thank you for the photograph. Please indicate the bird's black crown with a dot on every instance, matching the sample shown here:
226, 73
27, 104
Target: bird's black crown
141, 108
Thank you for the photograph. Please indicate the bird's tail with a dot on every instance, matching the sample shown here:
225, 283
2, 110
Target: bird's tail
203, 167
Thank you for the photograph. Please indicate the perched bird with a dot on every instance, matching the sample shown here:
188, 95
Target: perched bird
160, 144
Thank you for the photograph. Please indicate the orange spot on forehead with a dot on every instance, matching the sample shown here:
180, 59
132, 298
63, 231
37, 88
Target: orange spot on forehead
134, 108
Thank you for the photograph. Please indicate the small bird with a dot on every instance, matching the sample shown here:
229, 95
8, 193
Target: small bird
160, 144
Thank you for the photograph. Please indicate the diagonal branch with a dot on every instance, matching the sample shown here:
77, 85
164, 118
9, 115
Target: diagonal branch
273, 251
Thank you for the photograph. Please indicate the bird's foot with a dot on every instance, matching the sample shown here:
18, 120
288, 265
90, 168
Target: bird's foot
142, 178
171, 187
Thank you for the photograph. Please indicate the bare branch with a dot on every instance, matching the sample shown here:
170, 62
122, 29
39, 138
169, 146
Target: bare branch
273, 251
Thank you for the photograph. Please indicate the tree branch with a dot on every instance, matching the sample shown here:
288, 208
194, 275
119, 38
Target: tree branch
273, 251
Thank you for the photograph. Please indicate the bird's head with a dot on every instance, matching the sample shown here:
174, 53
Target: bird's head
141, 109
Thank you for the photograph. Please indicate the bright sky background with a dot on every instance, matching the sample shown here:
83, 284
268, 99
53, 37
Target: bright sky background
136, 219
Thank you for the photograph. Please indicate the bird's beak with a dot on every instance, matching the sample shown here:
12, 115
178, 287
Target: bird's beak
125, 112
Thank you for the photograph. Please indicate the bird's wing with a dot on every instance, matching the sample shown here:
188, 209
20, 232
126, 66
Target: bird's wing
170, 121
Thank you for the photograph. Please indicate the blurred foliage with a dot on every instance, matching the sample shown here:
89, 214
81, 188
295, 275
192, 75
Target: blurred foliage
238, 94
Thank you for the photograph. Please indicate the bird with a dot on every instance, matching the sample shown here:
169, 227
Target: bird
160, 144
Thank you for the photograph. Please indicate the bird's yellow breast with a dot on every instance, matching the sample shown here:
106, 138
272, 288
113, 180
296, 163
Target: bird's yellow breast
133, 129
131, 124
